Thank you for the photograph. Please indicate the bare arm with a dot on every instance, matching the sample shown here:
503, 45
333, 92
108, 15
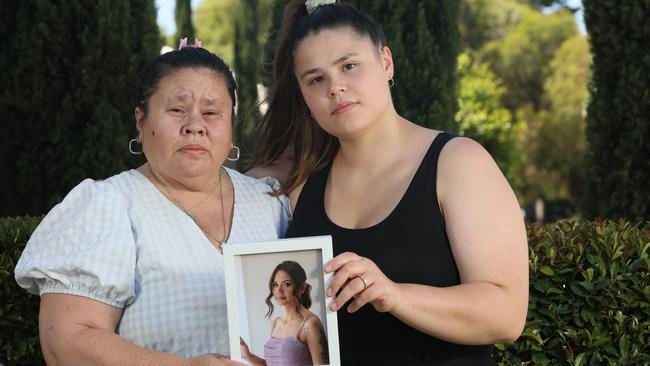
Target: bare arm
488, 240
249, 356
313, 334
76, 330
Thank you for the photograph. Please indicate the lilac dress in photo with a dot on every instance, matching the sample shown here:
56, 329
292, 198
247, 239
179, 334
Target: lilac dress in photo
287, 351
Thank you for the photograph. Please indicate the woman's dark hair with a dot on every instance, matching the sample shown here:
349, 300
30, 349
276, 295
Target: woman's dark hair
185, 58
298, 277
287, 126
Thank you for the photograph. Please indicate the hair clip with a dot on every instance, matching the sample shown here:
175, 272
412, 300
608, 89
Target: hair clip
183, 44
312, 5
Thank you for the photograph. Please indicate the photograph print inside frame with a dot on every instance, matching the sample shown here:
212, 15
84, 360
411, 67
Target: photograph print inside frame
277, 310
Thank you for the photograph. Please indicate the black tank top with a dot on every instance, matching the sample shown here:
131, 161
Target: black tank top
410, 246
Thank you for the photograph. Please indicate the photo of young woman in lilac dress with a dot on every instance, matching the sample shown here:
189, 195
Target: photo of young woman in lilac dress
297, 337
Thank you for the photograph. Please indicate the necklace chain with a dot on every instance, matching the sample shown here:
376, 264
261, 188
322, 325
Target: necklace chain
219, 243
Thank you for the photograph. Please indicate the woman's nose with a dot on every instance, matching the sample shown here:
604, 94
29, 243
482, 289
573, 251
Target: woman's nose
193, 125
193, 128
336, 88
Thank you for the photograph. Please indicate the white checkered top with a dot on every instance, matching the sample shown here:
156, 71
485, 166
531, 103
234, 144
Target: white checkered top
121, 242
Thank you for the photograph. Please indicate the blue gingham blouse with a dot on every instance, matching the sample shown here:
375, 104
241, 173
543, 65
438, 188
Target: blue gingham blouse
121, 242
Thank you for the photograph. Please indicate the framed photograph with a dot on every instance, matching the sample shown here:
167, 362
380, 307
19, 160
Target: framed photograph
259, 280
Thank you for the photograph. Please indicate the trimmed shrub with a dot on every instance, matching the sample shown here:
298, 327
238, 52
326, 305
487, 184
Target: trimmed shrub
589, 296
19, 343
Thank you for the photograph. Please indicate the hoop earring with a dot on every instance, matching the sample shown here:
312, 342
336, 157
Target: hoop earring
236, 155
391, 82
133, 151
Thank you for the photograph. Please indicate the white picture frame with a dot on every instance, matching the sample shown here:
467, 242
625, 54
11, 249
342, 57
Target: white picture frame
248, 268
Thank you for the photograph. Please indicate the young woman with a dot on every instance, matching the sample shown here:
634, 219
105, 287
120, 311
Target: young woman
297, 337
431, 255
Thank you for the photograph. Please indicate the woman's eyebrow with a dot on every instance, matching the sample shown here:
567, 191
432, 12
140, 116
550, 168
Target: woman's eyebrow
210, 101
335, 62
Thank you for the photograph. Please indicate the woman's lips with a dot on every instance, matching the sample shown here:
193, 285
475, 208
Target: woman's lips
344, 107
193, 149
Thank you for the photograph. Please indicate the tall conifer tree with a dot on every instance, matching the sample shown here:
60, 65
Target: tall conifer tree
251, 26
183, 16
618, 116
247, 68
70, 77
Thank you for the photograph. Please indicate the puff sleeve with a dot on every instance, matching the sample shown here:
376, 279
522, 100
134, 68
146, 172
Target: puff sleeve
85, 246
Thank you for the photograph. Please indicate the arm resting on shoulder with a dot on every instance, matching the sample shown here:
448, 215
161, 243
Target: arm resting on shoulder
279, 170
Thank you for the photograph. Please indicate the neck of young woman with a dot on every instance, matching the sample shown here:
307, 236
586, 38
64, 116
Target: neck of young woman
292, 312
379, 142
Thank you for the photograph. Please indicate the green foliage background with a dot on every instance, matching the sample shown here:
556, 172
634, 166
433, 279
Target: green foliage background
248, 64
543, 65
589, 296
69, 83
618, 122
482, 117
19, 341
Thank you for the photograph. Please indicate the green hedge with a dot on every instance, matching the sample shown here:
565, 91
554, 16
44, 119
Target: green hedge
589, 296
18, 309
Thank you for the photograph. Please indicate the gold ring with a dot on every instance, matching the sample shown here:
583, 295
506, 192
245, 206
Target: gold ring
365, 284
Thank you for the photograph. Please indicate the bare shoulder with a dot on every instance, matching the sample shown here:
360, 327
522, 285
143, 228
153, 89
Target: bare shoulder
464, 150
313, 321
463, 162
311, 327
471, 185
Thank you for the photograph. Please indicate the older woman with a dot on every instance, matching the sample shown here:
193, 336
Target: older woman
130, 269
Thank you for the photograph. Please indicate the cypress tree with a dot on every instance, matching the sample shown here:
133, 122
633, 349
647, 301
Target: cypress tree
8, 110
618, 115
246, 63
70, 83
183, 16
